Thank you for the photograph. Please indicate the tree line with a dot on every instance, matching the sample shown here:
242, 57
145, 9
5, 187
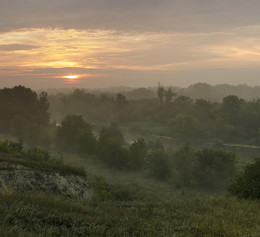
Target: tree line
233, 120
25, 114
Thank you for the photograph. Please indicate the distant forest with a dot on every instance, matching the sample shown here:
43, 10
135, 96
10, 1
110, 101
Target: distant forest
169, 113
175, 138
197, 91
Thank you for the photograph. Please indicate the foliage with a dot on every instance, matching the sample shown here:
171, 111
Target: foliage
23, 112
7, 146
101, 190
186, 126
169, 95
159, 165
160, 93
208, 169
113, 154
137, 153
247, 183
111, 132
165, 96
155, 145
37, 154
74, 134
233, 120
120, 100
214, 168
35, 158
184, 163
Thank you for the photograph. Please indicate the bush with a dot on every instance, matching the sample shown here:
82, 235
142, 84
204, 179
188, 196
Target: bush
37, 154
137, 152
101, 190
159, 165
113, 154
184, 163
7, 146
247, 183
4, 146
214, 168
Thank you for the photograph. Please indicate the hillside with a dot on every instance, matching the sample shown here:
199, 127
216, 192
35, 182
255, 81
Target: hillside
48, 198
33, 171
22, 178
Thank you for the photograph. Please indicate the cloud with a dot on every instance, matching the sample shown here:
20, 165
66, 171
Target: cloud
130, 51
134, 15
127, 41
17, 47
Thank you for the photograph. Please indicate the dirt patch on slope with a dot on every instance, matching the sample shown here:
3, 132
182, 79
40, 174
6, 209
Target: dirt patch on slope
20, 178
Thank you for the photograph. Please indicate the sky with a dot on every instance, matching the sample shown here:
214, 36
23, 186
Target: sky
137, 43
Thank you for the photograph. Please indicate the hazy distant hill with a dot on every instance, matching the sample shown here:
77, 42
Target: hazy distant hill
216, 93
196, 91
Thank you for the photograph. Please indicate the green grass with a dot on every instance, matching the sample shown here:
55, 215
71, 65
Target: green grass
58, 167
42, 215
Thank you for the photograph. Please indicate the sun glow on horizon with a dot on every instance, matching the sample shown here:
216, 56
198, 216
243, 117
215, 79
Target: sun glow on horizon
71, 77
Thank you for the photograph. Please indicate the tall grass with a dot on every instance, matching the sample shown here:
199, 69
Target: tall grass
42, 215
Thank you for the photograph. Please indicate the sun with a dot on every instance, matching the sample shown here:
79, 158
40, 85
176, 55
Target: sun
71, 76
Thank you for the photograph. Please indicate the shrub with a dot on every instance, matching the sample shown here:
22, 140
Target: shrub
101, 190
184, 163
37, 153
214, 168
159, 165
247, 183
137, 152
4, 146
113, 154
7, 146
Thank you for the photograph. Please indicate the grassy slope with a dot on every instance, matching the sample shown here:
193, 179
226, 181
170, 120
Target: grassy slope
41, 215
159, 211
63, 169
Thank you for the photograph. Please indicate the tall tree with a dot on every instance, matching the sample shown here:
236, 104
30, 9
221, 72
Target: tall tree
160, 93
169, 95
74, 134
24, 113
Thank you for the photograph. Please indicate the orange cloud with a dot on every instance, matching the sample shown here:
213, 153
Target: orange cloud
28, 49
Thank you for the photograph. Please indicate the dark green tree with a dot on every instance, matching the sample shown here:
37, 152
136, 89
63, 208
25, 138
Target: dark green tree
160, 93
113, 154
111, 132
169, 94
159, 165
232, 104
184, 163
24, 114
120, 99
214, 168
186, 127
247, 183
138, 153
74, 134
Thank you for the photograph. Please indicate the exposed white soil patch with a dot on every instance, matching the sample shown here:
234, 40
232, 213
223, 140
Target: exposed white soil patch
19, 178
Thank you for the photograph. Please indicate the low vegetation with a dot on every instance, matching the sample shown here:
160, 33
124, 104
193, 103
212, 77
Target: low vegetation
41, 215
35, 158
